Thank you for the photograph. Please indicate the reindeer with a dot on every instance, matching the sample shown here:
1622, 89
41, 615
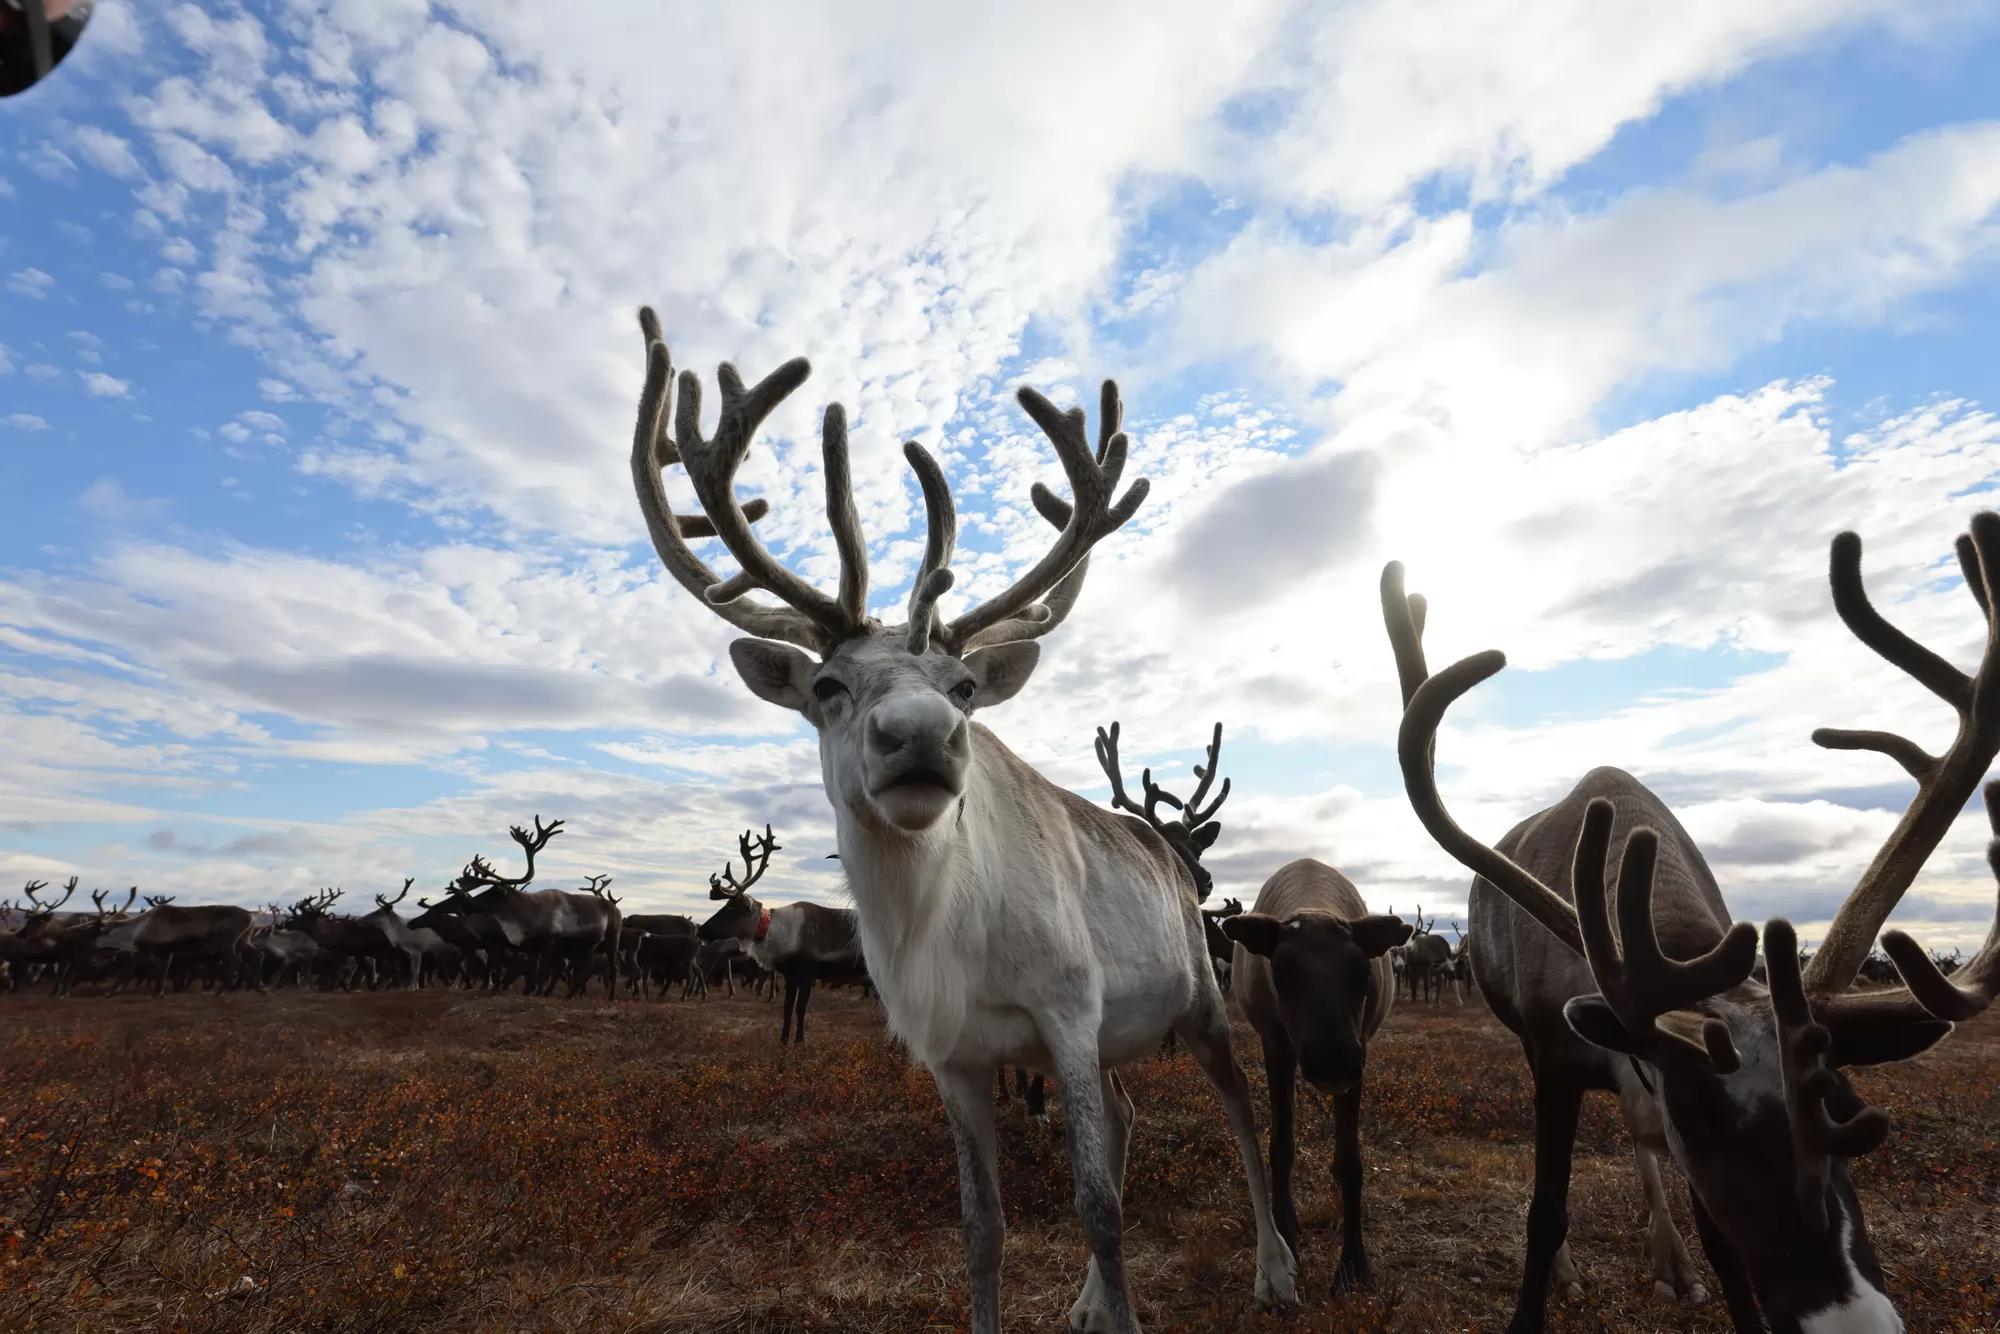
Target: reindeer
1745, 1077
1312, 974
162, 935
545, 923
294, 952
802, 942
1425, 958
1003, 920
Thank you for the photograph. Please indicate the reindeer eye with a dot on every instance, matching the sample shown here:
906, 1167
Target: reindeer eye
965, 690
825, 688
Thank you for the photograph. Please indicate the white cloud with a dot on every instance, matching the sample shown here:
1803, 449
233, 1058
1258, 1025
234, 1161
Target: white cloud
115, 282
99, 385
31, 283
1561, 310
1364, 102
25, 421
108, 151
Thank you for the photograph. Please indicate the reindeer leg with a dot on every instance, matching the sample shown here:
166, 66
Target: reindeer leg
1105, 1306
1558, 1103
1037, 1095
805, 994
1352, 1271
1119, 1115
1280, 1074
1674, 1272
971, 1115
1205, 1030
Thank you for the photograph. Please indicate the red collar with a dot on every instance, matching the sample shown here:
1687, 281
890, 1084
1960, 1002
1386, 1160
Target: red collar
763, 925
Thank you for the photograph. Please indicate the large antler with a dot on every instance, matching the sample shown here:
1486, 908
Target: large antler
1641, 985
48, 909
1804, 1047
1196, 829
1944, 784
152, 900
810, 619
595, 884
756, 860
407, 882
1032, 607
1040, 599
480, 872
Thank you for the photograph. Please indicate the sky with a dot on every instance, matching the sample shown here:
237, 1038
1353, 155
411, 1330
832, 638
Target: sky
320, 563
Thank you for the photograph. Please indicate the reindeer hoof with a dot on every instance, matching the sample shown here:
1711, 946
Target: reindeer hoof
1277, 1280
1697, 1295
1571, 1291
1353, 1277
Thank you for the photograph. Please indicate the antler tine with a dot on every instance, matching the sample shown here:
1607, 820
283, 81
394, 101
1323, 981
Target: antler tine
30, 889
934, 577
1416, 744
1403, 614
152, 900
1018, 613
1944, 783
1927, 992
1641, 983
1803, 1048
809, 619
1194, 815
97, 897
390, 903
1107, 759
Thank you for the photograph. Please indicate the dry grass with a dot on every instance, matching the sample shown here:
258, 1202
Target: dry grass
446, 1161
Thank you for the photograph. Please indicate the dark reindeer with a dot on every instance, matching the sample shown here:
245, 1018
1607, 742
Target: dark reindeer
1426, 958
166, 935
801, 942
1313, 977
548, 925
1747, 1076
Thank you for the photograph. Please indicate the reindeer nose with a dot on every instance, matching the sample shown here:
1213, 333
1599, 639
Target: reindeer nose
918, 732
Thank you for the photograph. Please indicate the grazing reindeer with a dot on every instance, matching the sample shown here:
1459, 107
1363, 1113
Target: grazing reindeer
1004, 921
546, 923
1747, 1076
801, 942
1312, 974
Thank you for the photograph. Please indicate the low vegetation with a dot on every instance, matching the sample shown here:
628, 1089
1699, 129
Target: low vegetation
446, 1160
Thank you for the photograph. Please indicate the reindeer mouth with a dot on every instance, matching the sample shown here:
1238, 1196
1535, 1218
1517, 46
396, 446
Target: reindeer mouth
922, 776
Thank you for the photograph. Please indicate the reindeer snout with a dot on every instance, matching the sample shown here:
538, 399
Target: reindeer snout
918, 738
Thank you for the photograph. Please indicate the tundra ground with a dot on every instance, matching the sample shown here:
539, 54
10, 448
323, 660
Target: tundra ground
452, 1161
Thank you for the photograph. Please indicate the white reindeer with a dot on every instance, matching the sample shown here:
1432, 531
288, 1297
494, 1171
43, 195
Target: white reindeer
1004, 920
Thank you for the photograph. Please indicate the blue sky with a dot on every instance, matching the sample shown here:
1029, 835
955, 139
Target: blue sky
318, 359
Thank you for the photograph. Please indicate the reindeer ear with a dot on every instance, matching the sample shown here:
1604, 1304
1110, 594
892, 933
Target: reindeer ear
1254, 931
774, 672
1002, 670
1203, 838
1879, 1044
1592, 1019
1377, 934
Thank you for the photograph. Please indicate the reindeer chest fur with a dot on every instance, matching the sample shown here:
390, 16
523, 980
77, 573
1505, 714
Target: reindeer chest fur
984, 938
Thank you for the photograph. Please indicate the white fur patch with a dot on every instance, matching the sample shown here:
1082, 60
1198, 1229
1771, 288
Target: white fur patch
1866, 1312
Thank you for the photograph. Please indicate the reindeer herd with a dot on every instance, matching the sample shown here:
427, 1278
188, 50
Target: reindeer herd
1008, 925
489, 931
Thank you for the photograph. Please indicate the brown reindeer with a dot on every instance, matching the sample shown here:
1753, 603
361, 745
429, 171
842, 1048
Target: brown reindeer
1747, 1076
801, 942
162, 936
548, 925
